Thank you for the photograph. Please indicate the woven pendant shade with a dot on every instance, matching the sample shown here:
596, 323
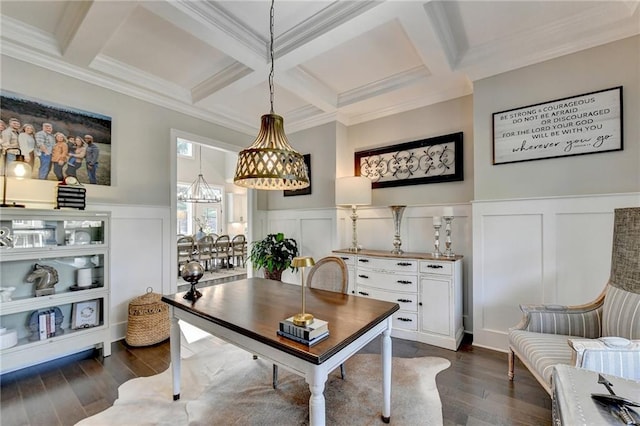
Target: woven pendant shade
270, 162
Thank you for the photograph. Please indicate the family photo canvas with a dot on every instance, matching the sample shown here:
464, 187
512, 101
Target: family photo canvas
58, 141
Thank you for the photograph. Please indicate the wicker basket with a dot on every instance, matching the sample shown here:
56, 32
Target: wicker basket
148, 320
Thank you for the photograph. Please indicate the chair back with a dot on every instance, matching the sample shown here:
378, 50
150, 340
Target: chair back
185, 248
238, 244
205, 246
621, 309
222, 244
329, 273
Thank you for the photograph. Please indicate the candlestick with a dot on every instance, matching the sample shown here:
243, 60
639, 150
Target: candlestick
437, 220
447, 242
436, 238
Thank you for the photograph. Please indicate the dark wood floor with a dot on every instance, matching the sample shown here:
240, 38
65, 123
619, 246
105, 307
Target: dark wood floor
474, 390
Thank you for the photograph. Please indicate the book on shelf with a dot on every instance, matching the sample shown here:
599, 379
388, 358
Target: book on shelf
308, 332
308, 342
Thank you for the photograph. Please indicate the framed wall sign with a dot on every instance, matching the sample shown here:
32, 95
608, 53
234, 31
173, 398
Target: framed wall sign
432, 160
584, 124
303, 191
85, 314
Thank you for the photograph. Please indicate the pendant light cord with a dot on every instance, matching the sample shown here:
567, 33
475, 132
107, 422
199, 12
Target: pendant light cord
271, 53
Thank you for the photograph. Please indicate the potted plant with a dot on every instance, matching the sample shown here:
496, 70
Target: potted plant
274, 253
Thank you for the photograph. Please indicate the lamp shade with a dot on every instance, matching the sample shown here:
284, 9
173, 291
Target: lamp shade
353, 191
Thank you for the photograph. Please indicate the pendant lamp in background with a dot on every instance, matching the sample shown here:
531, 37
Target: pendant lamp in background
199, 191
270, 162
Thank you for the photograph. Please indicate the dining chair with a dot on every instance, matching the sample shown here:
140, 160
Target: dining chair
239, 249
205, 251
221, 250
329, 273
186, 246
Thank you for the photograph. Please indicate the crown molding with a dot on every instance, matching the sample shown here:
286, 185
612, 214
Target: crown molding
442, 28
14, 31
332, 16
53, 64
220, 80
389, 84
210, 13
447, 93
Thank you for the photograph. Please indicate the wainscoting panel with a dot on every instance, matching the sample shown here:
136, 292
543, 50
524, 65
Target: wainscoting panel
544, 250
592, 248
141, 248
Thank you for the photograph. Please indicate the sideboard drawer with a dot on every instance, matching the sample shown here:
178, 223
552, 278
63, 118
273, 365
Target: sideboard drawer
387, 281
405, 320
407, 302
434, 267
395, 265
349, 260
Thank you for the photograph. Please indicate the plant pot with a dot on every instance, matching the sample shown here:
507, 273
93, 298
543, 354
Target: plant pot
273, 275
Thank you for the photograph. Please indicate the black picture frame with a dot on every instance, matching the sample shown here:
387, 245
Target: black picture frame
303, 191
432, 160
589, 123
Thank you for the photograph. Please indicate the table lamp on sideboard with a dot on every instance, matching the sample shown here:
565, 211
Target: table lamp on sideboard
353, 191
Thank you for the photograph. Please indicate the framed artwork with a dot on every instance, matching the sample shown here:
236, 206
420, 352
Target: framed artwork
432, 160
584, 124
87, 135
303, 191
85, 314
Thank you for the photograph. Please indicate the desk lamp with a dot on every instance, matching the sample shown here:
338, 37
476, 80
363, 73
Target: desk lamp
302, 262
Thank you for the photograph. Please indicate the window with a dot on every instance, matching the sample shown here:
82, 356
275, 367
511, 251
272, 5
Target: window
184, 212
185, 148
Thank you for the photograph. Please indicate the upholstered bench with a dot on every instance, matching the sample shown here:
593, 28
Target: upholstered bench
598, 336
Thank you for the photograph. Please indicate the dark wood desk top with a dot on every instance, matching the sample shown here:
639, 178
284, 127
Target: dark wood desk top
254, 307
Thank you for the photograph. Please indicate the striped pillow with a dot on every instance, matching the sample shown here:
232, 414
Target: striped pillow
621, 314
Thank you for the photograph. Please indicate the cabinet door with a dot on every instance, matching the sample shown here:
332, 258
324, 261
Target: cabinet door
435, 295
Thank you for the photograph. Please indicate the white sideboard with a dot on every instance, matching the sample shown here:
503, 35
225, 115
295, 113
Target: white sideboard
427, 288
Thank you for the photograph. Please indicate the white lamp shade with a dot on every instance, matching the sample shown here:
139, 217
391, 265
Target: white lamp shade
353, 191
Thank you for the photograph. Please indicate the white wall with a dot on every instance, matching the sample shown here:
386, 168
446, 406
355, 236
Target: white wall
542, 229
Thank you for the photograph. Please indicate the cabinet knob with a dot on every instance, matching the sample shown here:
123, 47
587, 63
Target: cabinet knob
363, 276
434, 266
363, 293
420, 303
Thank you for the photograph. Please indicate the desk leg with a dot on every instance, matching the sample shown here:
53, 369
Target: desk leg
386, 373
316, 401
175, 354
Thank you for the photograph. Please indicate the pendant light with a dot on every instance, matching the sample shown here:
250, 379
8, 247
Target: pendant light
199, 191
270, 162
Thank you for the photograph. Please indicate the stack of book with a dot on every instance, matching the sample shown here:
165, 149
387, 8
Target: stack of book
46, 324
309, 335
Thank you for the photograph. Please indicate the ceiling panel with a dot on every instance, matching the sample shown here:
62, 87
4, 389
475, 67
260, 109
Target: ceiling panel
370, 57
350, 61
149, 43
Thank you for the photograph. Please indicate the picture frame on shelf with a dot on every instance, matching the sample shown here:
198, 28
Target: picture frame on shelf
85, 314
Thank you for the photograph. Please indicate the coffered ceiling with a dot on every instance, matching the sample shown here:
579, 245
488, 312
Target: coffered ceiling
350, 61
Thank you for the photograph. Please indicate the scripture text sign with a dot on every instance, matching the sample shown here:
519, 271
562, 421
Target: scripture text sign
582, 124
